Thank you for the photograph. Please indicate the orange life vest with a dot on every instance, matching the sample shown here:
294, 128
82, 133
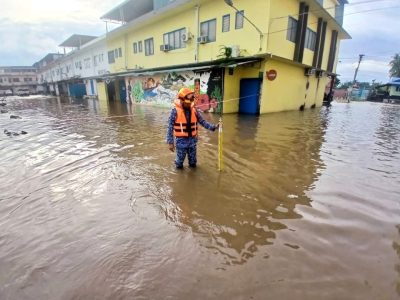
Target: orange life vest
181, 126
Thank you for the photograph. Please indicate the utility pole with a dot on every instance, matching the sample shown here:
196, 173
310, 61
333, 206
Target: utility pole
355, 74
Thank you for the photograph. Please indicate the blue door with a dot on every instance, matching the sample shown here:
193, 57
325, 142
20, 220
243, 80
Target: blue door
92, 86
249, 102
77, 90
122, 90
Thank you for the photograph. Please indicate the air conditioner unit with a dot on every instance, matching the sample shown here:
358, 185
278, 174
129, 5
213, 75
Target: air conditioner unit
202, 39
235, 50
309, 71
186, 36
165, 48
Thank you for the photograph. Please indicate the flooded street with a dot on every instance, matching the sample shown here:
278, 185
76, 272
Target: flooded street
91, 207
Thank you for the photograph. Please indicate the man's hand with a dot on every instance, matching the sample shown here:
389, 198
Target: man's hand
171, 147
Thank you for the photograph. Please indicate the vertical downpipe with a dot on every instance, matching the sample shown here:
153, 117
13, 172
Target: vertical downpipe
197, 26
126, 52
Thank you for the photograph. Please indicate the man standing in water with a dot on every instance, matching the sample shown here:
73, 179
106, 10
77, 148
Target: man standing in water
183, 125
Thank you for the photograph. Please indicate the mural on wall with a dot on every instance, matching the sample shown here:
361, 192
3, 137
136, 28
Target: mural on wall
162, 89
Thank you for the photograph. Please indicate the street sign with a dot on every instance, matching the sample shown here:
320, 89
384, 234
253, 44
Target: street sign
271, 75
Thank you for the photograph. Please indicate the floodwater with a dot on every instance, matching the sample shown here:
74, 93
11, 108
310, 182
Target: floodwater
91, 207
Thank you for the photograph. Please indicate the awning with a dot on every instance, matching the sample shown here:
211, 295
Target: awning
231, 63
77, 40
128, 10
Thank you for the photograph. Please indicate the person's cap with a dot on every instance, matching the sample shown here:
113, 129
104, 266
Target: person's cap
183, 92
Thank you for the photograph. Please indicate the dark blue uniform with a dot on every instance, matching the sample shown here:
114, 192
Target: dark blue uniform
186, 145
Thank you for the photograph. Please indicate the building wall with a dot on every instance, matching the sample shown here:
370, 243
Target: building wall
77, 64
102, 91
247, 38
18, 78
232, 85
330, 6
161, 89
393, 92
276, 38
289, 90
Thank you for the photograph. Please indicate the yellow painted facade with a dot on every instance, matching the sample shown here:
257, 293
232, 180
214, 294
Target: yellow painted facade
330, 5
287, 92
232, 85
102, 91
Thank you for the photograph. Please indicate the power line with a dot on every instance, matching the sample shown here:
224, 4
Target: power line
330, 7
359, 12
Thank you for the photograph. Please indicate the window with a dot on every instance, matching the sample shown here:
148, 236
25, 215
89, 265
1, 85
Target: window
311, 38
135, 47
94, 61
120, 52
292, 29
397, 88
111, 58
101, 57
208, 28
15, 80
239, 19
226, 23
140, 44
87, 63
149, 47
1, 79
116, 53
78, 65
174, 39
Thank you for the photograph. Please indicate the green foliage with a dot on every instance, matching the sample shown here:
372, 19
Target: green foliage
217, 94
337, 82
225, 52
395, 66
137, 92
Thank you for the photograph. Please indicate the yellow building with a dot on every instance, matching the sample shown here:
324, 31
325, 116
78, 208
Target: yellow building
241, 56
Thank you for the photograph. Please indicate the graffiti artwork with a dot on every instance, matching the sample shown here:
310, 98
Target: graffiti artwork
162, 89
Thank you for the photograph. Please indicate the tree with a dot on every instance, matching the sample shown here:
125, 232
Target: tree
395, 66
337, 82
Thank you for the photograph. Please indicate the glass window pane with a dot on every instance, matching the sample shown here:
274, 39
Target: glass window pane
204, 29
239, 19
177, 40
212, 28
226, 23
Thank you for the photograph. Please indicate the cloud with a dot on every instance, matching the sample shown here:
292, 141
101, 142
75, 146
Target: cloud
369, 70
373, 31
30, 33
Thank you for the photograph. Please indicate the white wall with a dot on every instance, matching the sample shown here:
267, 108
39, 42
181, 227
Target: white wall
88, 62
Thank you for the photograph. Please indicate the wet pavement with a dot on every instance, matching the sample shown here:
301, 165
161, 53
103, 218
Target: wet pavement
91, 207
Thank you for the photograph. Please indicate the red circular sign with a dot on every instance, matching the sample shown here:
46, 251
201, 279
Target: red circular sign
271, 75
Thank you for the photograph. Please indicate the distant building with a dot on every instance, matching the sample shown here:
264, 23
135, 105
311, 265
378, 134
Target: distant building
389, 91
18, 80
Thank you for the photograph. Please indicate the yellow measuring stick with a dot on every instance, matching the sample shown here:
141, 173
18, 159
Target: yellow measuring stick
220, 141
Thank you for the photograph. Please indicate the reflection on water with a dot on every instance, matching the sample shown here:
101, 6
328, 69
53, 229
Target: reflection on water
271, 161
92, 207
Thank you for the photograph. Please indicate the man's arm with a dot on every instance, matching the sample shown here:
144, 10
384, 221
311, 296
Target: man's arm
170, 131
204, 123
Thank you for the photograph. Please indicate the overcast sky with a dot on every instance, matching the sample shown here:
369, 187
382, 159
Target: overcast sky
31, 29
